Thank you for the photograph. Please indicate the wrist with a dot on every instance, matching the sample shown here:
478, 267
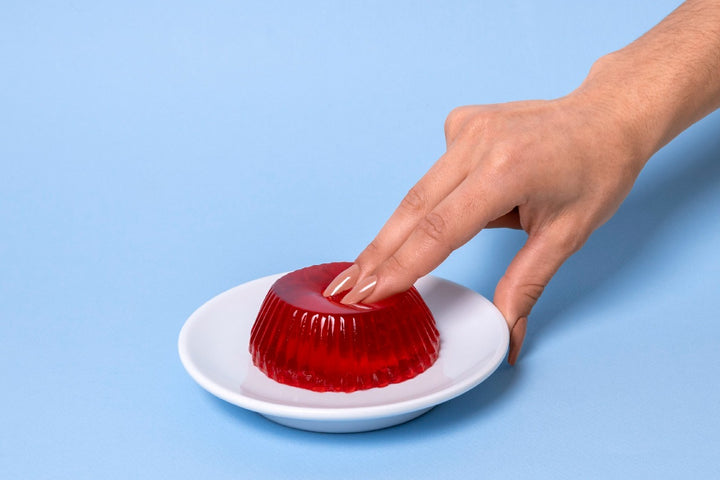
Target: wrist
618, 119
664, 81
634, 110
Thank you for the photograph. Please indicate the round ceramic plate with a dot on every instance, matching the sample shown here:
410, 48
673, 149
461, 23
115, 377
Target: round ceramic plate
214, 341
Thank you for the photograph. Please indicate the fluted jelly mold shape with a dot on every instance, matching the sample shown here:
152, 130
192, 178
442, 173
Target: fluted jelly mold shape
306, 340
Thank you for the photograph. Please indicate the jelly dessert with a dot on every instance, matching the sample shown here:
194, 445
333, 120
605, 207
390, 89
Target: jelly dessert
303, 339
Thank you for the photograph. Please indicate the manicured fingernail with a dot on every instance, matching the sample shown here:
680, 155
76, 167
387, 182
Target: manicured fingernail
517, 335
344, 281
361, 291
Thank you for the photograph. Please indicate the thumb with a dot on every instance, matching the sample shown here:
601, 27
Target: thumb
526, 277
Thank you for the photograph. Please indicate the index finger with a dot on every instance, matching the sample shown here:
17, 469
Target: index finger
442, 178
455, 220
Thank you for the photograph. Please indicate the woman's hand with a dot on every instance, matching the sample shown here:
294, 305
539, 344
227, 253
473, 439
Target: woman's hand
556, 169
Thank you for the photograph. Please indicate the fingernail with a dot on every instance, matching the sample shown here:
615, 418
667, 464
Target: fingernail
344, 281
517, 335
361, 291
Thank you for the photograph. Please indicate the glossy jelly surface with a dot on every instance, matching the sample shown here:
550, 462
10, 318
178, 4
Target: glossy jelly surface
303, 339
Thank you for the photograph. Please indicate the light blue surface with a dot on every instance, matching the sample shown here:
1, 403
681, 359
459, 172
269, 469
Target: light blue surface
154, 154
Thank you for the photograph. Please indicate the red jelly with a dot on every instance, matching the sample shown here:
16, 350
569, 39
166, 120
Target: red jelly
303, 339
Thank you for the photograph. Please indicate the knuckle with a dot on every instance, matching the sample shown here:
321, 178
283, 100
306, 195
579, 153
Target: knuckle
476, 126
502, 158
435, 227
573, 242
461, 119
373, 248
370, 256
415, 201
404, 271
570, 239
517, 296
531, 293
394, 264
527, 295
454, 118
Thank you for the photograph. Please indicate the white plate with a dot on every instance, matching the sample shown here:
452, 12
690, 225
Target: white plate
214, 341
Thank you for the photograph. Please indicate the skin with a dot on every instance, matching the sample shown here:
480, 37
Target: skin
556, 169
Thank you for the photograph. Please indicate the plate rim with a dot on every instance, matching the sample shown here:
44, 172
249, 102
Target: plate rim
329, 413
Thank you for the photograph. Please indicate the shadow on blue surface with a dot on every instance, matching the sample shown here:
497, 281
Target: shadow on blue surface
467, 408
619, 243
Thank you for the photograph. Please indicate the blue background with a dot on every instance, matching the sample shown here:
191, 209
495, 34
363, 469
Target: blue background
154, 154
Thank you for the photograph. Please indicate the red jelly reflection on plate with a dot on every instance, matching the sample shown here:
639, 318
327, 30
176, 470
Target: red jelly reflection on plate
303, 339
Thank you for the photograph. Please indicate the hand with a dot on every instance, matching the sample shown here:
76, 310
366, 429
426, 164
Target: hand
556, 169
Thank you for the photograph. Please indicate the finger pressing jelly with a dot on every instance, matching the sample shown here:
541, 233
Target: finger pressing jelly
303, 339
